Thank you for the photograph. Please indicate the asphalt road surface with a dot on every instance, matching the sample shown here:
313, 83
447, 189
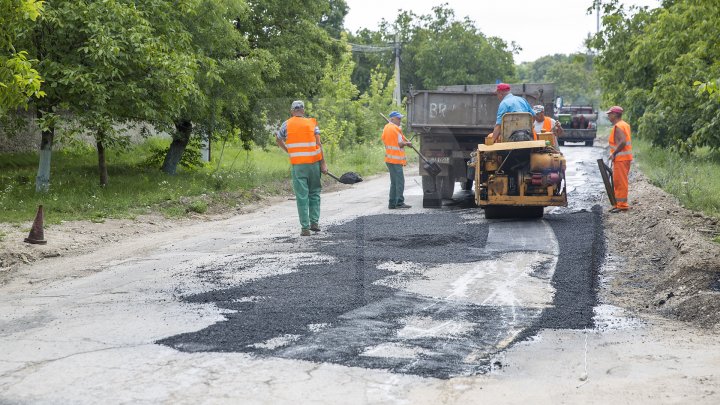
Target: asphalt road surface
404, 306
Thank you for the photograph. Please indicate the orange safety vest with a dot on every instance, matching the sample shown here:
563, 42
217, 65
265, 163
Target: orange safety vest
547, 125
626, 153
393, 152
301, 143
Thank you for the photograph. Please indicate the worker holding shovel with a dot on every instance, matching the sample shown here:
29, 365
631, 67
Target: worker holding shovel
300, 138
395, 142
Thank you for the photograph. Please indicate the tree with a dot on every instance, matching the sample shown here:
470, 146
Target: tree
114, 63
19, 80
437, 49
334, 106
649, 62
231, 74
277, 54
107, 64
573, 75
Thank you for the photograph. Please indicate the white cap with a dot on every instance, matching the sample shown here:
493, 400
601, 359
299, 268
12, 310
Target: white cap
297, 105
538, 108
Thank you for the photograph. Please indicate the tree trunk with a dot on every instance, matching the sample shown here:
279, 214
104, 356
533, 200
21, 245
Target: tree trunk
177, 147
42, 181
102, 164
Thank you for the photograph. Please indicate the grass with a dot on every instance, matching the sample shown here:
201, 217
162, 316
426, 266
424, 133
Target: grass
135, 189
693, 179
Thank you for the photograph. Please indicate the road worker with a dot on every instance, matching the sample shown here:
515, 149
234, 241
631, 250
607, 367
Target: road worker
546, 124
508, 103
620, 157
395, 143
300, 138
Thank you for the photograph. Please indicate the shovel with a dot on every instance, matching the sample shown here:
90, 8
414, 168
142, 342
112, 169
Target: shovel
347, 178
432, 168
606, 174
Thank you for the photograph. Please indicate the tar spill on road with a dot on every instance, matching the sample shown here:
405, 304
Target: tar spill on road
342, 313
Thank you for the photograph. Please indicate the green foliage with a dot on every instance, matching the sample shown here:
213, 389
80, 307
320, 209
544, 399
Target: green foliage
137, 189
650, 61
191, 159
19, 80
346, 117
712, 88
691, 178
573, 75
437, 49
335, 107
198, 206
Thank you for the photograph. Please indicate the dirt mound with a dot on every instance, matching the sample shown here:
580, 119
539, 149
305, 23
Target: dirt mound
672, 265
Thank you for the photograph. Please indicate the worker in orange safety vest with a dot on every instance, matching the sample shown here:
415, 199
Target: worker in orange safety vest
395, 142
621, 157
300, 138
541, 123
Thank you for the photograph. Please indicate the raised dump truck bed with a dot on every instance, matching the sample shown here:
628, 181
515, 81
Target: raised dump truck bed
452, 120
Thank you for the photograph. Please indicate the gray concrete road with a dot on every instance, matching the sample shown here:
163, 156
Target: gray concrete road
382, 307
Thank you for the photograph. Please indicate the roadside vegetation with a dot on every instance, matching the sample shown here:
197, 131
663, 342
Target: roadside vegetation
243, 176
692, 178
668, 85
227, 71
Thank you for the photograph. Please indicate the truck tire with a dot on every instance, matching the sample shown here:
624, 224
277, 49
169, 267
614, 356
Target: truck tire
446, 185
431, 197
561, 143
466, 185
589, 143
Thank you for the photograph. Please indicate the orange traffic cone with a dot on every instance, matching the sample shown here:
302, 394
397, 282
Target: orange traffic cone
37, 236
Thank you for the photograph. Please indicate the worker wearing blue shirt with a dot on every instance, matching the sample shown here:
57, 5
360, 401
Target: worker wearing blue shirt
508, 103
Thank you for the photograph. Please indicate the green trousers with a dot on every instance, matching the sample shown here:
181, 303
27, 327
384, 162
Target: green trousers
397, 185
307, 187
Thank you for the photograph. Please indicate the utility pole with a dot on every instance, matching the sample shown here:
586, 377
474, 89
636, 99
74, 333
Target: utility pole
397, 96
597, 4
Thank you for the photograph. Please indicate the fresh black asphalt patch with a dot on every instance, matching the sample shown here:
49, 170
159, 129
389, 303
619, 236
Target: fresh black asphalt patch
337, 313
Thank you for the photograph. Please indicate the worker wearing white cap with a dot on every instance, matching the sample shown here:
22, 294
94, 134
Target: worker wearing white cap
541, 123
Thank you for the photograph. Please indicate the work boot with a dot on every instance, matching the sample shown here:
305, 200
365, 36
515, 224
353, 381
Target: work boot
314, 228
404, 206
305, 232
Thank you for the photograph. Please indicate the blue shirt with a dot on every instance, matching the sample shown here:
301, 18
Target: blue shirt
511, 104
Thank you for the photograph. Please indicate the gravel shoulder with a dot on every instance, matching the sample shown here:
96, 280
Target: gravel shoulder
665, 261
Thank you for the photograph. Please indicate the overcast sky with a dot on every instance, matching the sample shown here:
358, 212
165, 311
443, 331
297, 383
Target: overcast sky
539, 27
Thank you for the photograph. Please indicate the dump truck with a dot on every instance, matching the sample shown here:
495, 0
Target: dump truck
452, 121
518, 176
579, 123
